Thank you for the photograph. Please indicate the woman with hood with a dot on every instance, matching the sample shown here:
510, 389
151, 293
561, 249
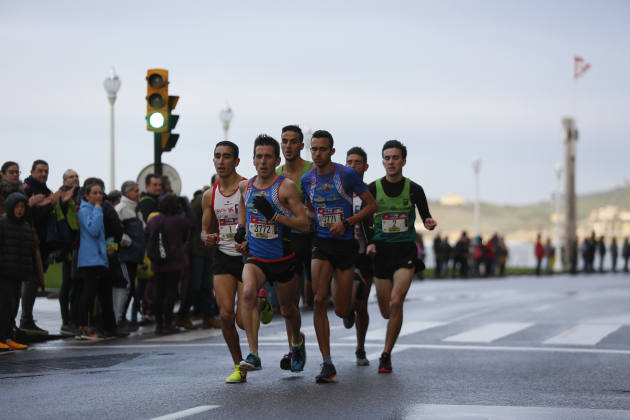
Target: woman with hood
9, 183
17, 253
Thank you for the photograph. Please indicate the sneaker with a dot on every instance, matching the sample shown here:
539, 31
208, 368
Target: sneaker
385, 363
237, 377
69, 330
185, 323
299, 356
265, 309
361, 359
29, 327
348, 321
252, 362
16, 346
285, 362
327, 375
211, 323
89, 335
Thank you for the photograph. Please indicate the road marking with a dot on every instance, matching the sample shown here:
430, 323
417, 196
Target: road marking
313, 344
186, 413
438, 411
377, 355
489, 332
308, 331
408, 328
584, 334
184, 336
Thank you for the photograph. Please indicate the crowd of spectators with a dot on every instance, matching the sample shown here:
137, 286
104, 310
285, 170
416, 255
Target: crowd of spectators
103, 243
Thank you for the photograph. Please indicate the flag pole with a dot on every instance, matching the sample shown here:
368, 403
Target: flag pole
574, 104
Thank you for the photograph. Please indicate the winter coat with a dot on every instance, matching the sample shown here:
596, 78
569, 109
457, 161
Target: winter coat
39, 215
132, 243
17, 246
147, 205
92, 248
176, 228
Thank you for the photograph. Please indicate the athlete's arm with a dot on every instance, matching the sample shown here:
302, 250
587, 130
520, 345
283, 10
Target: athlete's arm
242, 216
420, 200
289, 194
208, 238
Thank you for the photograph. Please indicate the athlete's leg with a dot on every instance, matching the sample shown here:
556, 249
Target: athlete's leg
225, 286
383, 294
342, 291
288, 301
400, 286
361, 306
321, 273
253, 279
296, 300
239, 309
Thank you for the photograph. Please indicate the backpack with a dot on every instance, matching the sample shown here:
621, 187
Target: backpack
157, 247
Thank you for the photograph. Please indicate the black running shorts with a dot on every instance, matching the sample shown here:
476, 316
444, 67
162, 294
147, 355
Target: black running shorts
342, 254
228, 264
392, 256
301, 244
277, 271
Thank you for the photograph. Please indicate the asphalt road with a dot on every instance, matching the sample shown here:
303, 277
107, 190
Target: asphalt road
514, 348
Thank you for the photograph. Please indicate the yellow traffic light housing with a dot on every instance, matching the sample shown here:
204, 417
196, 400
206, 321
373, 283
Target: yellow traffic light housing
158, 110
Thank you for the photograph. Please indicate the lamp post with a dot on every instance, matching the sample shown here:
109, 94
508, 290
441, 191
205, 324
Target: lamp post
308, 133
476, 165
226, 115
558, 201
112, 84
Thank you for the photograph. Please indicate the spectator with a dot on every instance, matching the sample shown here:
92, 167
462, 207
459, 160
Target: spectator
419, 269
601, 249
550, 254
539, 252
502, 255
625, 253
460, 256
92, 261
149, 200
445, 255
574, 255
9, 183
437, 247
114, 197
614, 253
478, 255
167, 274
491, 255
17, 252
200, 288
132, 246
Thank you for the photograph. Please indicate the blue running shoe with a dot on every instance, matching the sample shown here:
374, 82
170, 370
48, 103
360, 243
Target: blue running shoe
252, 362
298, 356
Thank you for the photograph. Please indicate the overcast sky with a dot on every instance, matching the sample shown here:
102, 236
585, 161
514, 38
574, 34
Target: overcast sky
452, 80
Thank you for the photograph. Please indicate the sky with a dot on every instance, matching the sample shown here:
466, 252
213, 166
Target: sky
453, 80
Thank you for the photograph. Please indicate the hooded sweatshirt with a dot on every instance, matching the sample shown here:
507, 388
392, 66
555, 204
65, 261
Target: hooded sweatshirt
17, 246
92, 248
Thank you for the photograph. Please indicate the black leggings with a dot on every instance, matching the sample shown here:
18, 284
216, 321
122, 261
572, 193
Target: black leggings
97, 282
9, 300
164, 295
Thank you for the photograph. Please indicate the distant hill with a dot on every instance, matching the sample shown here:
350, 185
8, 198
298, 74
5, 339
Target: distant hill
522, 222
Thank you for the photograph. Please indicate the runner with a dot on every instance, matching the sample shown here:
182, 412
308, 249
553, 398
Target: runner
294, 167
328, 190
219, 225
356, 158
394, 236
269, 206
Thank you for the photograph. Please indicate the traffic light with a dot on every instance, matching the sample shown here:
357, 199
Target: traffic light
157, 101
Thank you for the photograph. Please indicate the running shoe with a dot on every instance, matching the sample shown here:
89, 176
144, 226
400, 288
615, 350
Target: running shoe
89, 335
298, 359
16, 346
237, 377
327, 375
348, 321
252, 362
361, 358
266, 311
285, 362
385, 363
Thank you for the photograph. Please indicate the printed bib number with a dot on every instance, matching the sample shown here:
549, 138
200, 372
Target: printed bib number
227, 227
260, 228
328, 217
395, 222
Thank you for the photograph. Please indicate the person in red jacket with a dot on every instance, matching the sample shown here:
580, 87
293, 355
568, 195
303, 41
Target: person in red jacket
539, 252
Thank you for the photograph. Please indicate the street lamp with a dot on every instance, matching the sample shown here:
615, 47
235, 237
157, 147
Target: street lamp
308, 133
111, 84
476, 164
226, 115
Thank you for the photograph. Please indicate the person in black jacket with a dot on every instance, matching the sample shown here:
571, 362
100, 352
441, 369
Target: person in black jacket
149, 200
17, 251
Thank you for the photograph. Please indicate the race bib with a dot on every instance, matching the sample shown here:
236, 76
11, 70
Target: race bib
227, 227
260, 228
328, 217
395, 222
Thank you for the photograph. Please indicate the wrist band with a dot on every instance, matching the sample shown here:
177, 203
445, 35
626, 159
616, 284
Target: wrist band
346, 224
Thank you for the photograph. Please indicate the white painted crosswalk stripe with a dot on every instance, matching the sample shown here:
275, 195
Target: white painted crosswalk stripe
408, 328
489, 332
584, 334
282, 334
187, 413
185, 336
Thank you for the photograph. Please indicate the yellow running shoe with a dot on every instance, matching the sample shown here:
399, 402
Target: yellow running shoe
16, 346
266, 311
237, 376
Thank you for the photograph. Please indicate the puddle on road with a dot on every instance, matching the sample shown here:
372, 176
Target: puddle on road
10, 366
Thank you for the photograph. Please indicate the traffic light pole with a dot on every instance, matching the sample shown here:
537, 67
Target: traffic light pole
157, 153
